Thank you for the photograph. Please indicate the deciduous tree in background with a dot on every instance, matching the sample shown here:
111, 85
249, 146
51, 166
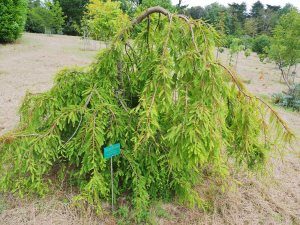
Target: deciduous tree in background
46, 16
104, 19
251, 27
285, 46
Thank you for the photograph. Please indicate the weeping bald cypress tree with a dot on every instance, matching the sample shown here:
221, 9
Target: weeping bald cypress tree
161, 93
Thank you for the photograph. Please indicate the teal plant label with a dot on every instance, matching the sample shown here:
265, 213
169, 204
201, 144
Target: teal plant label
112, 150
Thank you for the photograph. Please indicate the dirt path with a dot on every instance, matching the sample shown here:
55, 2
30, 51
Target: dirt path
31, 64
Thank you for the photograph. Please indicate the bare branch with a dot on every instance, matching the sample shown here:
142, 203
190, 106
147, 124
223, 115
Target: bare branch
156, 9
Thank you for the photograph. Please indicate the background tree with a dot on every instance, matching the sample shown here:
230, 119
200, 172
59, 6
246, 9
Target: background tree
34, 3
104, 19
257, 9
286, 9
238, 14
180, 7
42, 17
250, 26
196, 12
74, 11
213, 13
260, 45
167, 4
285, 45
58, 18
38, 18
12, 19
257, 14
235, 48
271, 17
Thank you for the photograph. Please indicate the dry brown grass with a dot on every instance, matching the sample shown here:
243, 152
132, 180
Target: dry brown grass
49, 211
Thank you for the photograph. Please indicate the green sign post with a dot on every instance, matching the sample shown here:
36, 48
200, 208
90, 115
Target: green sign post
110, 152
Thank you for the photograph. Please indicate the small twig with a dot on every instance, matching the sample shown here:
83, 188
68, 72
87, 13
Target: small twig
148, 32
81, 118
158, 23
134, 54
128, 55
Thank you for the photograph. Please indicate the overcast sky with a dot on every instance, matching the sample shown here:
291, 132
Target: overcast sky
248, 2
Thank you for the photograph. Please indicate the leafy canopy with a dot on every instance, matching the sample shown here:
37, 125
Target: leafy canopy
285, 44
164, 97
104, 19
74, 12
46, 16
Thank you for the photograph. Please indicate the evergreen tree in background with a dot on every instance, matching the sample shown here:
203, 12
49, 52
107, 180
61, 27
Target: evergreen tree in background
74, 11
257, 9
12, 19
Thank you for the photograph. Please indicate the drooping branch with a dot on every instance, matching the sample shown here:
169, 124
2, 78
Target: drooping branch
242, 90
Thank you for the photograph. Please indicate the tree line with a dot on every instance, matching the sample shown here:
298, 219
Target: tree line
235, 20
232, 20
65, 16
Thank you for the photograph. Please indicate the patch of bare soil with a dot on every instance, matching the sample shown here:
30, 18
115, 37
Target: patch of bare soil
252, 199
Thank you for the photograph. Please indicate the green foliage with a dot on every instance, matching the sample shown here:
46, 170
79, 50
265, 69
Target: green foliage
247, 52
285, 44
236, 46
260, 44
237, 17
48, 16
167, 4
196, 12
12, 19
257, 9
290, 99
164, 97
37, 20
104, 19
250, 26
261, 19
58, 17
213, 12
74, 12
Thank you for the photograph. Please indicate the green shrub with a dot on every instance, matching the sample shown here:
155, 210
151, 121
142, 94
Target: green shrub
164, 98
260, 44
247, 41
291, 99
228, 41
12, 19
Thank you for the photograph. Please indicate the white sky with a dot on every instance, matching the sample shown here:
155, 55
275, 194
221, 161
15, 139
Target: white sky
248, 2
